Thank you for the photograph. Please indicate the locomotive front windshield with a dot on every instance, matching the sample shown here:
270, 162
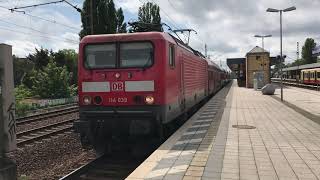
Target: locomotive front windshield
100, 56
136, 54
131, 55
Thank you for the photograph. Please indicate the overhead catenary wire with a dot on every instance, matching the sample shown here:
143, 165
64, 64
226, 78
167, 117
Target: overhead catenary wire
200, 39
35, 30
44, 19
36, 5
172, 22
38, 35
46, 3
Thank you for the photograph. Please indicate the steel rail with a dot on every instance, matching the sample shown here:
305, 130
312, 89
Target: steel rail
295, 84
50, 114
29, 136
105, 167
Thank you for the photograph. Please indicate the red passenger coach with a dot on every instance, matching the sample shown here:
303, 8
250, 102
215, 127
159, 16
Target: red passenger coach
137, 83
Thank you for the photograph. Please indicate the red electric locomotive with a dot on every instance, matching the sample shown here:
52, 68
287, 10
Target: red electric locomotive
137, 83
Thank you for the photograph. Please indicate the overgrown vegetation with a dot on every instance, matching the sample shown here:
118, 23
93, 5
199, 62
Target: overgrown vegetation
52, 82
21, 92
44, 74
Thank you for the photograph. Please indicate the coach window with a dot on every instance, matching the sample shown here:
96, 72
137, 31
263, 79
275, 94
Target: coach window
171, 56
319, 75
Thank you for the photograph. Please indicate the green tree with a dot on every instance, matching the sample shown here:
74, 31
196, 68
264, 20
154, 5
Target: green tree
297, 62
52, 82
68, 58
121, 25
309, 45
148, 19
21, 67
29, 78
104, 17
40, 58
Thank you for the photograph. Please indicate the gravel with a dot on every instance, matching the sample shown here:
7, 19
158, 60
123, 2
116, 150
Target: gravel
51, 158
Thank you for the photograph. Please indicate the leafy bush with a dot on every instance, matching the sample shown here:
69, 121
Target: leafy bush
74, 90
52, 82
22, 92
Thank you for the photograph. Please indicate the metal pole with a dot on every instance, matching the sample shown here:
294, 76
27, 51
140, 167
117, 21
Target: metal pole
2, 153
281, 56
262, 42
91, 15
297, 75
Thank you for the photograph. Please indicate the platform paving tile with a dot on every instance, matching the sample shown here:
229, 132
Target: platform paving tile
188, 157
308, 100
283, 143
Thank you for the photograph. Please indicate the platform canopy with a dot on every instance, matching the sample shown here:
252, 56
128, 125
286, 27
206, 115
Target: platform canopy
305, 66
233, 63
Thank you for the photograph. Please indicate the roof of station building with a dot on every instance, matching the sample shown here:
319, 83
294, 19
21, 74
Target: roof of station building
257, 49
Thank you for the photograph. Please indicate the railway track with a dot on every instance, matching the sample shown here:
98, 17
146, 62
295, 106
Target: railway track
104, 167
295, 84
47, 115
36, 134
129, 154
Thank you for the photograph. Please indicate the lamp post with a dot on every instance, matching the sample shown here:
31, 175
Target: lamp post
262, 38
281, 58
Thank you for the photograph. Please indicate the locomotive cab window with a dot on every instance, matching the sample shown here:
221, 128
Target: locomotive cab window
100, 56
136, 54
171, 56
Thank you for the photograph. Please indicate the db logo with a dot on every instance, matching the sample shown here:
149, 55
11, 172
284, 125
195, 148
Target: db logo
117, 86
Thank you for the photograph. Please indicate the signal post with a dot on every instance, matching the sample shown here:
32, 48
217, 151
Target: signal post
8, 168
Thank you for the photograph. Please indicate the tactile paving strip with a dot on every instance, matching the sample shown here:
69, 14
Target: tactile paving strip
187, 158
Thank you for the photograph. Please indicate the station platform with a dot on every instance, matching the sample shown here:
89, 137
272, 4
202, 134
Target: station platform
238, 134
305, 99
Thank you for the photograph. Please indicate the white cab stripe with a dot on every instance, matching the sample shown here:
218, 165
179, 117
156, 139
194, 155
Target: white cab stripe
134, 86
95, 87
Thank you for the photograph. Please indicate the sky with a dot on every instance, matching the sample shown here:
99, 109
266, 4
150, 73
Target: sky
227, 27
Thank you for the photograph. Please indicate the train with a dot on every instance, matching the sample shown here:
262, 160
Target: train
137, 84
310, 76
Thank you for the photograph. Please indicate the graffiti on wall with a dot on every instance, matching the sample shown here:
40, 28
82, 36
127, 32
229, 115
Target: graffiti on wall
11, 122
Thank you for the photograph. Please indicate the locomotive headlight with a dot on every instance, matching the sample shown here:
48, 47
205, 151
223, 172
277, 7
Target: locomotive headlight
149, 100
86, 100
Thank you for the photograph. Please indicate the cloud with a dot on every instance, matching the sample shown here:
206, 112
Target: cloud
22, 48
227, 27
50, 28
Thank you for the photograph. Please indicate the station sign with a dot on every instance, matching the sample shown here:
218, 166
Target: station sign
7, 115
316, 51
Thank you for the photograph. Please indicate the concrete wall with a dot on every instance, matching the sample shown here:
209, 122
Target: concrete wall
7, 121
257, 62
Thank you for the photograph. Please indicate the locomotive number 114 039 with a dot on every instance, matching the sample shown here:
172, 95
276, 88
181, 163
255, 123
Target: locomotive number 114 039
118, 100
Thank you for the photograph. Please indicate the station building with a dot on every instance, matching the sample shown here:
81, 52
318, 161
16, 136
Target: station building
256, 64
